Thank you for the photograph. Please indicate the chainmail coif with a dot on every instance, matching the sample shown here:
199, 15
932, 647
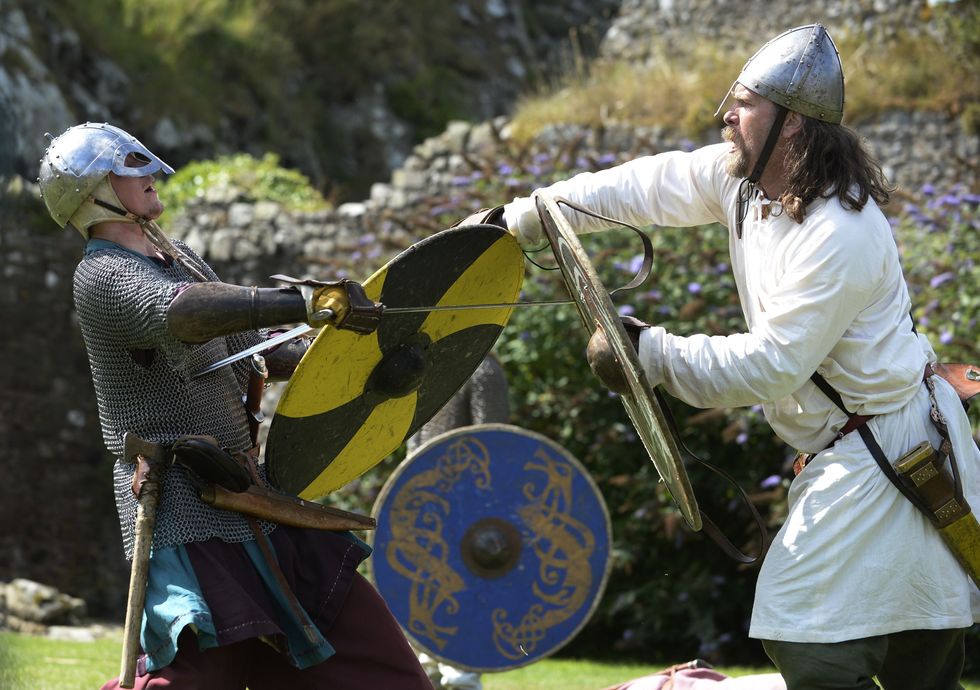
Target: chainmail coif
142, 377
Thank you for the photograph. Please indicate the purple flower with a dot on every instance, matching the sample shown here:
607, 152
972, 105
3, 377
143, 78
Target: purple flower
504, 169
636, 263
946, 337
694, 288
512, 182
941, 279
606, 159
742, 438
771, 481
928, 189
626, 310
459, 181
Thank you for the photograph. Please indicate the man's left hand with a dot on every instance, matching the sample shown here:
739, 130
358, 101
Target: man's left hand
485, 216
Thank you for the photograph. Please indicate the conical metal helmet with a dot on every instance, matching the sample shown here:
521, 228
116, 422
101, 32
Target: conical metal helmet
78, 160
799, 70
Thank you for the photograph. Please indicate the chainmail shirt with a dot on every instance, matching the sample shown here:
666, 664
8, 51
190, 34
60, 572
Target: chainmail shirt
143, 384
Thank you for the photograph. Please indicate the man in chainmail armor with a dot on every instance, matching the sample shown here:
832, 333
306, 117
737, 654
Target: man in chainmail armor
219, 612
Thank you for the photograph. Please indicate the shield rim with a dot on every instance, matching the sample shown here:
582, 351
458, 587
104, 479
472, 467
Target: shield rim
590, 480
640, 401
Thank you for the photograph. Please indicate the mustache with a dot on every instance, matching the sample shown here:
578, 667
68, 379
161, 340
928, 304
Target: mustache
729, 134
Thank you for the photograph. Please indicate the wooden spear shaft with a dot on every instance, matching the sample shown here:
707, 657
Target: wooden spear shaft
146, 517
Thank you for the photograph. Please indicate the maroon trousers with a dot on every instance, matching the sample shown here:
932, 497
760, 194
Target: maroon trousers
371, 652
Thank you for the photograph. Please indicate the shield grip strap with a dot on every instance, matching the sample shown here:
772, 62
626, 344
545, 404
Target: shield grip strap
708, 525
644, 272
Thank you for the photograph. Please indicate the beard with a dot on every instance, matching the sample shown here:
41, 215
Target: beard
738, 160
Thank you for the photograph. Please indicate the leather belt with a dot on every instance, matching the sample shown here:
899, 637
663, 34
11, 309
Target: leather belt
854, 422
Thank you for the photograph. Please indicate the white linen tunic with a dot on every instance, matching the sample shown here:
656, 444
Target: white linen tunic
854, 558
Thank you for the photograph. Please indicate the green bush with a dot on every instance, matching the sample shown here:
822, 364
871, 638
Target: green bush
246, 177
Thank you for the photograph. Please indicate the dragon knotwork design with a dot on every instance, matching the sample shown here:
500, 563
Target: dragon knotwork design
563, 547
418, 550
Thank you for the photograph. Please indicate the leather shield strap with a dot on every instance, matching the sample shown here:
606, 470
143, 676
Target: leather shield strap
707, 524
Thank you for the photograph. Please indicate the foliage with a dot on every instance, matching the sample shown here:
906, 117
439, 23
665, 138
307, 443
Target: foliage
680, 90
280, 72
251, 179
939, 237
677, 91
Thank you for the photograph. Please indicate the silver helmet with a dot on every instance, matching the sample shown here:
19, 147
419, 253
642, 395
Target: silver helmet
799, 70
77, 161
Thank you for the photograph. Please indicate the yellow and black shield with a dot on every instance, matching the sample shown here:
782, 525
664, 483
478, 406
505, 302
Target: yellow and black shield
354, 399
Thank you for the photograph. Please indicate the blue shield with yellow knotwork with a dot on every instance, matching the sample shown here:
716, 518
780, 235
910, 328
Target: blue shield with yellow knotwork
492, 548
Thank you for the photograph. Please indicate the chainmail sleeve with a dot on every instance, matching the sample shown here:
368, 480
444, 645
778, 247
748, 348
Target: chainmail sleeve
143, 384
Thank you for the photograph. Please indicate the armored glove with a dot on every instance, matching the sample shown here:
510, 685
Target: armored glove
485, 216
603, 361
340, 303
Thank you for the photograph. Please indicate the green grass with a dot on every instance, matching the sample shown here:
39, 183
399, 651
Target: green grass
37, 663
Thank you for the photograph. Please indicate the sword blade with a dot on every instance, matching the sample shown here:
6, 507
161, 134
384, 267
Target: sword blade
304, 329
464, 307
255, 349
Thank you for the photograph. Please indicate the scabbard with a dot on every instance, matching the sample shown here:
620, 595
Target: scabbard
924, 473
272, 506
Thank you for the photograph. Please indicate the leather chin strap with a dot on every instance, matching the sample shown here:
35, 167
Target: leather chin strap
777, 127
748, 186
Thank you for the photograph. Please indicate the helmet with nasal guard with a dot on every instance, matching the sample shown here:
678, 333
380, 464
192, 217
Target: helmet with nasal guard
800, 70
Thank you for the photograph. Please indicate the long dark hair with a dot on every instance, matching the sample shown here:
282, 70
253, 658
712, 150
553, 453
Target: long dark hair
826, 160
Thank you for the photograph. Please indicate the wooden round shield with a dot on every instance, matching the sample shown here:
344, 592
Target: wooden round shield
597, 311
354, 399
493, 547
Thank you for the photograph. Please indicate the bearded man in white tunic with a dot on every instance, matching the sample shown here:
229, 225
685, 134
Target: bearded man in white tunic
857, 585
